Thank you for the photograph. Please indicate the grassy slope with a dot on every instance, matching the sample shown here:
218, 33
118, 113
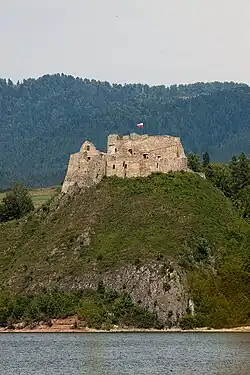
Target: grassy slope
127, 221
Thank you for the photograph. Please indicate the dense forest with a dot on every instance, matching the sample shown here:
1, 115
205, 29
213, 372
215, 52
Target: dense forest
43, 120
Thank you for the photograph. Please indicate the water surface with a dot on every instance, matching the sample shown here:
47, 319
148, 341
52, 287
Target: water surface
125, 353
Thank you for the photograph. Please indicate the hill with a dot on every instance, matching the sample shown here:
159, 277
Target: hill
43, 121
163, 240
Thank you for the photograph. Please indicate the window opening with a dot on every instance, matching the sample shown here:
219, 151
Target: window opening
113, 166
125, 166
88, 158
88, 148
130, 151
145, 156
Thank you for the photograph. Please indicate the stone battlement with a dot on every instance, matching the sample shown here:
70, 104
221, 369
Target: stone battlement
130, 155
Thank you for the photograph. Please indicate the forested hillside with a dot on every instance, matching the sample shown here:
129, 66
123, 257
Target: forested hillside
43, 120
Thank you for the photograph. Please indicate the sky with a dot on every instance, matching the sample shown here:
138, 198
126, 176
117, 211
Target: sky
148, 41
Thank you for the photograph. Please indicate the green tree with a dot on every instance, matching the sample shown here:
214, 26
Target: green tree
194, 162
240, 172
220, 176
205, 159
16, 204
243, 202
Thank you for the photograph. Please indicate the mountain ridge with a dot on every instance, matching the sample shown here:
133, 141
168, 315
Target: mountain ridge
44, 120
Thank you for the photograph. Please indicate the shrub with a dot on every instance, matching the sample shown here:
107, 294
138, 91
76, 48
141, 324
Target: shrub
93, 314
194, 162
188, 321
16, 204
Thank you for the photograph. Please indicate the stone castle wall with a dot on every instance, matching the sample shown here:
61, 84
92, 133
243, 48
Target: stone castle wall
128, 156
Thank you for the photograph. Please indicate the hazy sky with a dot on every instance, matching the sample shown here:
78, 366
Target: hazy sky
148, 41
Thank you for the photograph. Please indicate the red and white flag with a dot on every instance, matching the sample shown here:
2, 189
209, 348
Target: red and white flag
140, 125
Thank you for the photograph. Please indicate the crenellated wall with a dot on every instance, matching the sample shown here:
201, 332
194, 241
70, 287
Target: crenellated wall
128, 156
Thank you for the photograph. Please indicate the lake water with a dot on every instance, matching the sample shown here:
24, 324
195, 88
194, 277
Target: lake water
125, 353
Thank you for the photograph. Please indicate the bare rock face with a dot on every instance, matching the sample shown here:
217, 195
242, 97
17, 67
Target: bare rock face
132, 155
158, 288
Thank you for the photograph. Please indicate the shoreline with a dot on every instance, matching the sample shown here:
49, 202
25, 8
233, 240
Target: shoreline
69, 325
129, 330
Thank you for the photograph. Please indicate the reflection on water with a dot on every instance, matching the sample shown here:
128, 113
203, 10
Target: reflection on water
125, 353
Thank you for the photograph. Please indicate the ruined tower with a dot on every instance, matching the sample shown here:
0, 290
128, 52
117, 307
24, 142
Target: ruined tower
128, 156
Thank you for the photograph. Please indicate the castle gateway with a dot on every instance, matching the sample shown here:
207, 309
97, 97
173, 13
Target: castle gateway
128, 156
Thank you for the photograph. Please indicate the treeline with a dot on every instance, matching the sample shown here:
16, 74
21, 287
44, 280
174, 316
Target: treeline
44, 120
233, 179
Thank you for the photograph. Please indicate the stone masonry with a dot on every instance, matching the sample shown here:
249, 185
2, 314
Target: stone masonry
132, 155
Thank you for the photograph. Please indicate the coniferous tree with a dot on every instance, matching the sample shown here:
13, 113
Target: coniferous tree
240, 173
205, 159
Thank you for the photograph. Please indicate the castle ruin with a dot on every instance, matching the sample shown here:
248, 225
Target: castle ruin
128, 156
